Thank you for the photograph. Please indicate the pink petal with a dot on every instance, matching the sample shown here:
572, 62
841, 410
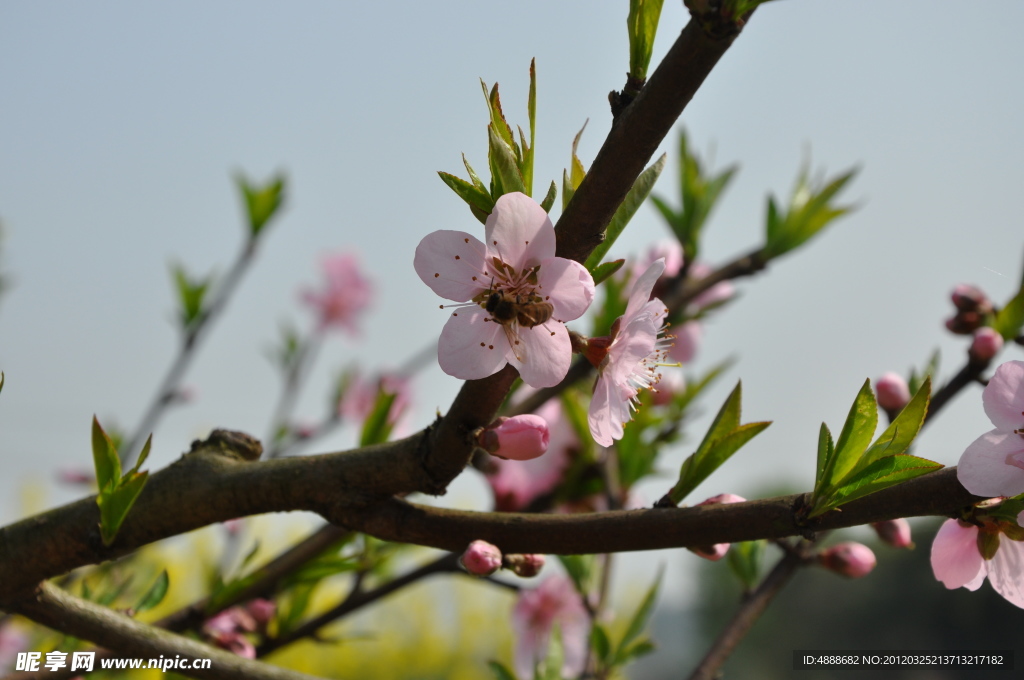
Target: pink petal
545, 352
567, 285
955, 557
1004, 396
574, 625
452, 264
471, 346
1006, 571
985, 468
609, 409
519, 231
635, 342
641, 292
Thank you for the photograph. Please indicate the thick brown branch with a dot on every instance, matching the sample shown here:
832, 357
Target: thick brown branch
57, 609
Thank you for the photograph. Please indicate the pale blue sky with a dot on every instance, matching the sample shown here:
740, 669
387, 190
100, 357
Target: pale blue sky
123, 122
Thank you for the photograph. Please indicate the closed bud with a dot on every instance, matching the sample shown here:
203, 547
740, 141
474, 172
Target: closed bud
516, 438
850, 559
965, 323
987, 343
526, 566
967, 298
894, 532
717, 551
893, 392
481, 559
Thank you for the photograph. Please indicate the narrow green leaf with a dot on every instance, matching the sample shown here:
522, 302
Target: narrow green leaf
638, 621
504, 164
642, 24
531, 110
549, 199
261, 203
377, 428
745, 561
143, 455
602, 645
630, 204
104, 457
901, 432
470, 193
1010, 319
580, 569
115, 505
1, 381
720, 452
825, 452
500, 672
294, 607
810, 210
857, 432
111, 590
602, 271
155, 594
576, 170
641, 648
567, 190
880, 474
497, 115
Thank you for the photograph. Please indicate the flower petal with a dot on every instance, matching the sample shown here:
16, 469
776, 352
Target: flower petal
452, 264
1006, 571
567, 285
984, 469
635, 342
641, 292
471, 346
955, 557
519, 231
544, 351
609, 409
1004, 396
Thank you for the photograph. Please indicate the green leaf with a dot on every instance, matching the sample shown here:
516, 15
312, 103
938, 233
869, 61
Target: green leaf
531, 110
878, 475
642, 24
500, 671
143, 455
602, 271
580, 569
261, 203
116, 503
155, 594
902, 431
504, 165
473, 195
377, 427
810, 210
931, 370
856, 435
501, 126
549, 199
577, 171
322, 567
191, 295
745, 561
630, 204
1010, 319
826, 449
104, 457
1, 381
640, 648
567, 190
638, 621
601, 644
294, 607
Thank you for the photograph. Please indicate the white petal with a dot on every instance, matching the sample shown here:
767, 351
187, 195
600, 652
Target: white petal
452, 264
1006, 571
567, 285
983, 467
471, 346
609, 409
519, 232
641, 292
955, 557
545, 356
1004, 396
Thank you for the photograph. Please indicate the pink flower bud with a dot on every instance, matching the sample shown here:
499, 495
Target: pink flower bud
526, 566
893, 393
481, 559
967, 298
517, 438
261, 610
850, 559
894, 532
717, 551
987, 343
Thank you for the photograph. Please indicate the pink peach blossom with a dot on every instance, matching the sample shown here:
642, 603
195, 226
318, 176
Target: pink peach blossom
535, 614
522, 437
516, 263
957, 562
719, 550
481, 559
345, 295
631, 363
516, 483
993, 465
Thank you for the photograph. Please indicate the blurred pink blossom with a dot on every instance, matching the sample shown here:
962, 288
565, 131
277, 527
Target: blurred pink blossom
720, 292
75, 476
535, 614
526, 566
853, 560
521, 437
717, 551
481, 559
12, 641
686, 341
957, 562
894, 532
517, 483
893, 392
993, 465
516, 262
635, 351
346, 293
361, 396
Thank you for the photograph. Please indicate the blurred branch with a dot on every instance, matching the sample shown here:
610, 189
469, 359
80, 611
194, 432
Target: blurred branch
296, 372
62, 612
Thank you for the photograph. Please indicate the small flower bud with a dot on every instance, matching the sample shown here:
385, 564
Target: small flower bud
517, 438
262, 611
987, 343
717, 551
894, 532
526, 566
481, 559
964, 323
850, 559
967, 298
893, 393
